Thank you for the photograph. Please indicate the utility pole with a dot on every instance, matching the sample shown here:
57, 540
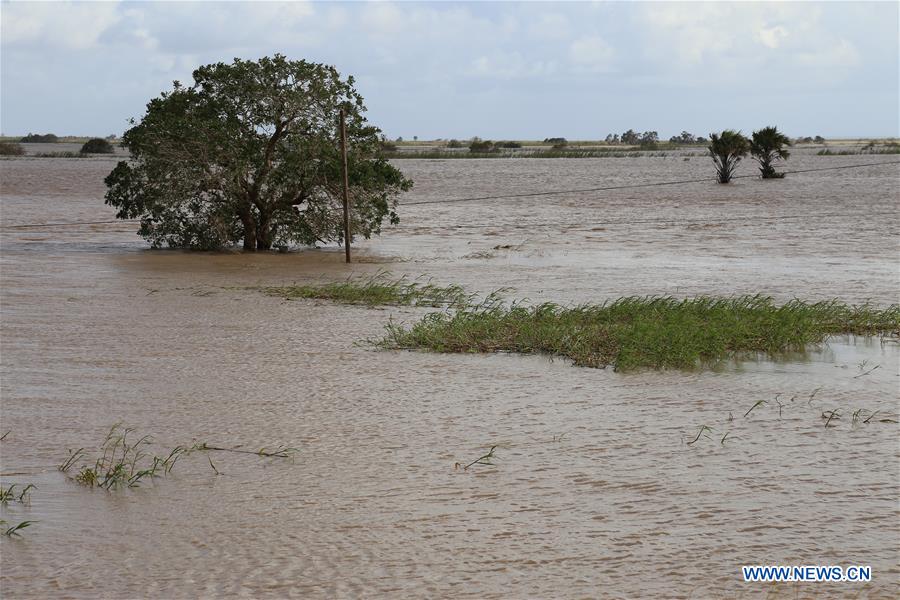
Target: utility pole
346, 188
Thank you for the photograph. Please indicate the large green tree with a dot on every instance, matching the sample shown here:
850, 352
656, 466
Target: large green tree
767, 146
727, 149
250, 152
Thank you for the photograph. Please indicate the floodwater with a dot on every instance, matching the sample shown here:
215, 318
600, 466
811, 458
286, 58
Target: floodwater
595, 491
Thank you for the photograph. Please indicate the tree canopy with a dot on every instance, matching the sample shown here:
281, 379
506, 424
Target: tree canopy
767, 146
726, 150
251, 152
97, 146
37, 138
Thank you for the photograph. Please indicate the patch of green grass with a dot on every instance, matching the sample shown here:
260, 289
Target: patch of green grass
121, 462
376, 291
642, 332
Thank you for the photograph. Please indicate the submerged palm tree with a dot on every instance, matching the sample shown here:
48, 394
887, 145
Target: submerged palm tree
726, 150
767, 146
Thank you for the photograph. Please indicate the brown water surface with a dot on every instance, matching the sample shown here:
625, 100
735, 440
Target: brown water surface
594, 492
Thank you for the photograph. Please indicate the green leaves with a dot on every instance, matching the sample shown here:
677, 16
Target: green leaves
250, 151
726, 150
768, 145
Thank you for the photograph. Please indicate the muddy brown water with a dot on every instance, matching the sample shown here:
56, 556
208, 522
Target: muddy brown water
594, 491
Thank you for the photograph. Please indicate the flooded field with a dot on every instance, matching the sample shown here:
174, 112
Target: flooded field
594, 490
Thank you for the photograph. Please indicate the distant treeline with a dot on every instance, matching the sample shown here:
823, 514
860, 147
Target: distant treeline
52, 138
92, 146
649, 140
37, 138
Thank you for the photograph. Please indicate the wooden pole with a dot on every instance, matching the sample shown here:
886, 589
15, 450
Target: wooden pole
346, 189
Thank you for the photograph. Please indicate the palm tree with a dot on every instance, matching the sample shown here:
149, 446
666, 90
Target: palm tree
726, 150
767, 146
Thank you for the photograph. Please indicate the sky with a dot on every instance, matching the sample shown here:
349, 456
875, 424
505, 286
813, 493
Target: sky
498, 70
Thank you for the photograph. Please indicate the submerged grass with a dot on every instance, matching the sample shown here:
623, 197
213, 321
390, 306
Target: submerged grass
121, 463
377, 291
14, 530
485, 459
642, 332
11, 494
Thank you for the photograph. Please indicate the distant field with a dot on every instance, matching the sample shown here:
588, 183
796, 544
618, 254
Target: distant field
63, 139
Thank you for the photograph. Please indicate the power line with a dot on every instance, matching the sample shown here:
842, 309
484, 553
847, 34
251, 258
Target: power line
574, 224
510, 196
625, 187
646, 221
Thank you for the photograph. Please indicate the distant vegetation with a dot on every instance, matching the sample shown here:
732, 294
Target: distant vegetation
61, 155
479, 146
36, 138
11, 149
649, 140
870, 148
687, 139
97, 146
558, 142
387, 146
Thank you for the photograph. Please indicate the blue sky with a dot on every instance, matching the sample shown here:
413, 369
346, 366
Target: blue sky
493, 69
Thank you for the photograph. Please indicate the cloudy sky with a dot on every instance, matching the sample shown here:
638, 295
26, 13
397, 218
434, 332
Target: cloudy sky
494, 69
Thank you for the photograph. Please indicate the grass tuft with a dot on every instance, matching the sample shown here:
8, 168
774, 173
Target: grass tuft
14, 530
121, 462
376, 291
642, 332
10, 494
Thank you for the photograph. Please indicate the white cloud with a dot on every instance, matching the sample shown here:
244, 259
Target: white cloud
75, 25
771, 37
592, 53
689, 34
843, 54
550, 26
510, 65
406, 56
722, 40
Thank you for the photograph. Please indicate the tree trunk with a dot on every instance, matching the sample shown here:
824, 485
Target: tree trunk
263, 233
249, 232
